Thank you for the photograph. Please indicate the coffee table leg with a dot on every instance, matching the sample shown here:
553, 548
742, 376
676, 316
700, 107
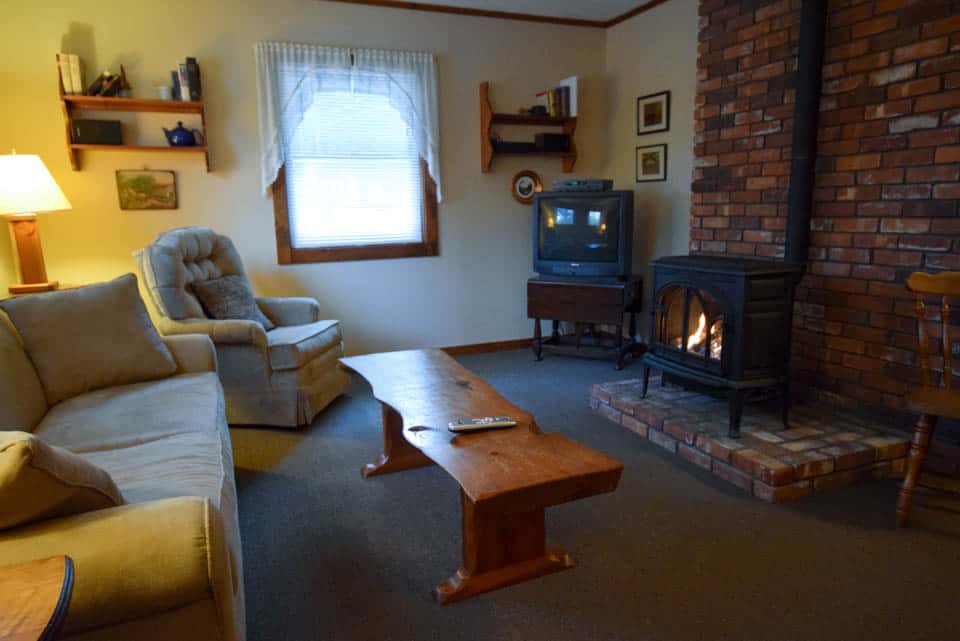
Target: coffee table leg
499, 550
398, 454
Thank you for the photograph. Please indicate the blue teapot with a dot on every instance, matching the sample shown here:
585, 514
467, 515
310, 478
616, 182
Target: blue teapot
183, 137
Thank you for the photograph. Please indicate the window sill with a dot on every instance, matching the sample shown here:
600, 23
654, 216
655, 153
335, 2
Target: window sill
295, 255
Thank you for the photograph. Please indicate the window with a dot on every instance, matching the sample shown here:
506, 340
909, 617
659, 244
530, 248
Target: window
354, 179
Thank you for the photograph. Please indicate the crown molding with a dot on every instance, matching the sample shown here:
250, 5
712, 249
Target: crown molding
505, 15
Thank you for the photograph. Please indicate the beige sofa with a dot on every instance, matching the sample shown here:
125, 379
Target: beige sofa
284, 376
167, 564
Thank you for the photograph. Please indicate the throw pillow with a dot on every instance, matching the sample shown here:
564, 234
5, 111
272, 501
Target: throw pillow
230, 298
89, 338
40, 481
22, 401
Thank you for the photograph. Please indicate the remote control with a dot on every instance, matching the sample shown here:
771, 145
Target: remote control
478, 424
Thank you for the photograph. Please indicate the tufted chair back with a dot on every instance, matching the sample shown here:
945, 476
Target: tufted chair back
180, 257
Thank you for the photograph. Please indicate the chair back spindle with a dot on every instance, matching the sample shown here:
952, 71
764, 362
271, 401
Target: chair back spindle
923, 342
947, 344
945, 284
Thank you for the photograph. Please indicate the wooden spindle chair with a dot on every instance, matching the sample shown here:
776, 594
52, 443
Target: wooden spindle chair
933, 399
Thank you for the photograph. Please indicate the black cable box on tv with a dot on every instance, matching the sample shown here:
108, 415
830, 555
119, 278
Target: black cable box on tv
582, 184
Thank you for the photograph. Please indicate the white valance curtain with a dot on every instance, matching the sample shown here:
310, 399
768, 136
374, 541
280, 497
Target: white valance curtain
290, 75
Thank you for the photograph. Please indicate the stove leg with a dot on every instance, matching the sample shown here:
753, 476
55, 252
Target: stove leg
786, 400
736, 413
646, 380
619, 365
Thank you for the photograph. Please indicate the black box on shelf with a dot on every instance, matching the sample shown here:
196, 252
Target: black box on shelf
552, 142
508, 147
96, 132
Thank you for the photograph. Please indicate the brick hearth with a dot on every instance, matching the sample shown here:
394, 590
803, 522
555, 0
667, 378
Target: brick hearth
823, 449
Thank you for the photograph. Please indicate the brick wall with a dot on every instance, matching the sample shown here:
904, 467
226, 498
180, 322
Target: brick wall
888, 172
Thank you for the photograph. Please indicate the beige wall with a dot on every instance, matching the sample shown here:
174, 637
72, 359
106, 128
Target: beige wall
473, 292
653, 52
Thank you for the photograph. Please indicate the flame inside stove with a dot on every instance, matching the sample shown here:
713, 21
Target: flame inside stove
697, 341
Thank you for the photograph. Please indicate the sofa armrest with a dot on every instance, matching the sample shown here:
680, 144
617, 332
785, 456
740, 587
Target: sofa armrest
290, 311
222, 332
194, 353
137, 560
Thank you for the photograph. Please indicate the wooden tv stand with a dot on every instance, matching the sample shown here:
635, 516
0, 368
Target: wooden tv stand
586, 303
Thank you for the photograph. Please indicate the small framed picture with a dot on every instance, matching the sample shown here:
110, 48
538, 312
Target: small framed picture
146, 189
651, 163
653, 113
525, 185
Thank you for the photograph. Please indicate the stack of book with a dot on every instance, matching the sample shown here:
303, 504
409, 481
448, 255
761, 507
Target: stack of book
186, 81
561, 101
71, 73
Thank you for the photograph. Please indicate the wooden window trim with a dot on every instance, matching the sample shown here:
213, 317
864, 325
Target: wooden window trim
287, 254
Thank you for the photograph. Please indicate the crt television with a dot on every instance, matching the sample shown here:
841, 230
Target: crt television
583, 234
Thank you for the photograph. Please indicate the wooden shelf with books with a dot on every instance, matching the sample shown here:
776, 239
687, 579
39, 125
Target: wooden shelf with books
489, 118
101, 103
73, 103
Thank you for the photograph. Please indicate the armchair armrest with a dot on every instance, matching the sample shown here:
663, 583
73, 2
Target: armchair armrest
136, 560
194, 353
290, 311
222, 332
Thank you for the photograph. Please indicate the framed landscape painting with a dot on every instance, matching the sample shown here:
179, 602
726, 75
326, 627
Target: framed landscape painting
146, 189
651, 163
653, 113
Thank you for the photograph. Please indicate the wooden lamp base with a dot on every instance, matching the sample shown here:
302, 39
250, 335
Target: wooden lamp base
29, 255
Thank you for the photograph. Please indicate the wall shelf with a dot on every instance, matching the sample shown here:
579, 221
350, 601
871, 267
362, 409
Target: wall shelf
196, 149
72, 103
489, 118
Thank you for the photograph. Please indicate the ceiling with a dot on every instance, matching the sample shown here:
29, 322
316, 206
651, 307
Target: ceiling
600, 10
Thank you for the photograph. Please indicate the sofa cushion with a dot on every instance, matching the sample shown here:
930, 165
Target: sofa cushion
291, 347
40, 481
90, 338
22, 402
129, 415
230, 298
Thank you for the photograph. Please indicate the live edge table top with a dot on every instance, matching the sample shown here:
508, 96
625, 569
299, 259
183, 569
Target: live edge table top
520, 467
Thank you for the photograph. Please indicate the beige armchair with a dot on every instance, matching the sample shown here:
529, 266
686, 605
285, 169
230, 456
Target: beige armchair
284, 376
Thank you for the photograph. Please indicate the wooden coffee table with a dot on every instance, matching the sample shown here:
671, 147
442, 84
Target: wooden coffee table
507, 477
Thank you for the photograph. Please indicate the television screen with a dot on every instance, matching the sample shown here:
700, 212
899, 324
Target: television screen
579, 229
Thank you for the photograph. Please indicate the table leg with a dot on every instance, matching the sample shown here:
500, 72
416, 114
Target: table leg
499, 550
537, 344
398, 454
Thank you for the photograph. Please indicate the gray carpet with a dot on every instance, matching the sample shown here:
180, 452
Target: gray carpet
671, 555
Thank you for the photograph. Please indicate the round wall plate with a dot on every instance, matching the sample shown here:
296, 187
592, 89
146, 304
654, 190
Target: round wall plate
525, 185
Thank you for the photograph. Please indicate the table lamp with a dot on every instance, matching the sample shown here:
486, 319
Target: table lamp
26, 187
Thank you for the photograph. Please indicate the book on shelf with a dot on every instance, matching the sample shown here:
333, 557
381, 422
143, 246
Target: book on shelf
572, 89
188, 77
175, 84
76, 73
66, 78
184, 81
193, 76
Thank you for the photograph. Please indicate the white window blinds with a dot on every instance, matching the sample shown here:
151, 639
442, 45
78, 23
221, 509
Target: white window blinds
353, 174
350, 127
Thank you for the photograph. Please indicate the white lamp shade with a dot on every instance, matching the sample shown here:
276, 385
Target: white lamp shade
26, 186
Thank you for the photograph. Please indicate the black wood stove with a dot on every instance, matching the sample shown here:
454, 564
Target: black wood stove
723, 323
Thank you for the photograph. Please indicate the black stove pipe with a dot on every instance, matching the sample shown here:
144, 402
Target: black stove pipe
806, 115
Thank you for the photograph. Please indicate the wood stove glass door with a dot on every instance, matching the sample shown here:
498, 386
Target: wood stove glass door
690, 327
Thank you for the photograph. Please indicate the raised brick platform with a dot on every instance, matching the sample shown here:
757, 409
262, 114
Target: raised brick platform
823, 449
